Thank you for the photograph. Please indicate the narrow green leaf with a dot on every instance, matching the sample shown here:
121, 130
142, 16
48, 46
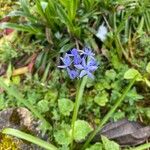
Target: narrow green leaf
109, 114
66, 47
30, 138
39, 8
21, 27
23, 14
50, 17
64, 17
25, 6
73, 8
141, 147
46, 72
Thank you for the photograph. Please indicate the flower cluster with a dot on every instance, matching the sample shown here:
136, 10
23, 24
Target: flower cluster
79, 63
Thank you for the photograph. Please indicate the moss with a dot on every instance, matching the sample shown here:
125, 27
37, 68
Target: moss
6, 142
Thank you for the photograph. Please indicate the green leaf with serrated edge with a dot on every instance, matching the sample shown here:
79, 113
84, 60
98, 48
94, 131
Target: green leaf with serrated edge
82, 129
131, 73
109, 145
43, 106
62, 137
65, 106
101, 99
111, 74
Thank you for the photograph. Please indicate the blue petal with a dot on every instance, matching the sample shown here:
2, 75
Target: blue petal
74, 52
90, 75
72, 73
66, 60
92, 62
77, 59
83, 62
92, 68
83, 73
80, 67
88, 52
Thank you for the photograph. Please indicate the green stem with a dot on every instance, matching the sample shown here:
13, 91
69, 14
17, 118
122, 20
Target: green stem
109, 114
30, 138
79, 95
18, 96
141, 147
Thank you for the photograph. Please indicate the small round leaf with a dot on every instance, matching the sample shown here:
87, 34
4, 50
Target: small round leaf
131, 73
65, 106
82, 129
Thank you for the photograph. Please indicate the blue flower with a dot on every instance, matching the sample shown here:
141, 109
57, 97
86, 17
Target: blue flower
72, 73
87, 68
79, 63
88, 53
66, 60
77, 58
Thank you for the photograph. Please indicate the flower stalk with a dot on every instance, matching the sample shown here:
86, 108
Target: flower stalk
79, 96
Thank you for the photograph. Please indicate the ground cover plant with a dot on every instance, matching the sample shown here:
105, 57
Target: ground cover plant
75, 65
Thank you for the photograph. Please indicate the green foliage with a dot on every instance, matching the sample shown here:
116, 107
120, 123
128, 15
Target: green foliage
82, 129
131, 73
101, 99
52, 27
43, 106
2, 102
29, 138
148, 67
62, 137
105, 145
96, 146
65, 106
109, 145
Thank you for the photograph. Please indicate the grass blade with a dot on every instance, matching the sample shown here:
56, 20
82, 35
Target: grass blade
39, 8
25, 6
21, 27
22, 14
109, 114
141, 147
64, 18
73, 8
30, 138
